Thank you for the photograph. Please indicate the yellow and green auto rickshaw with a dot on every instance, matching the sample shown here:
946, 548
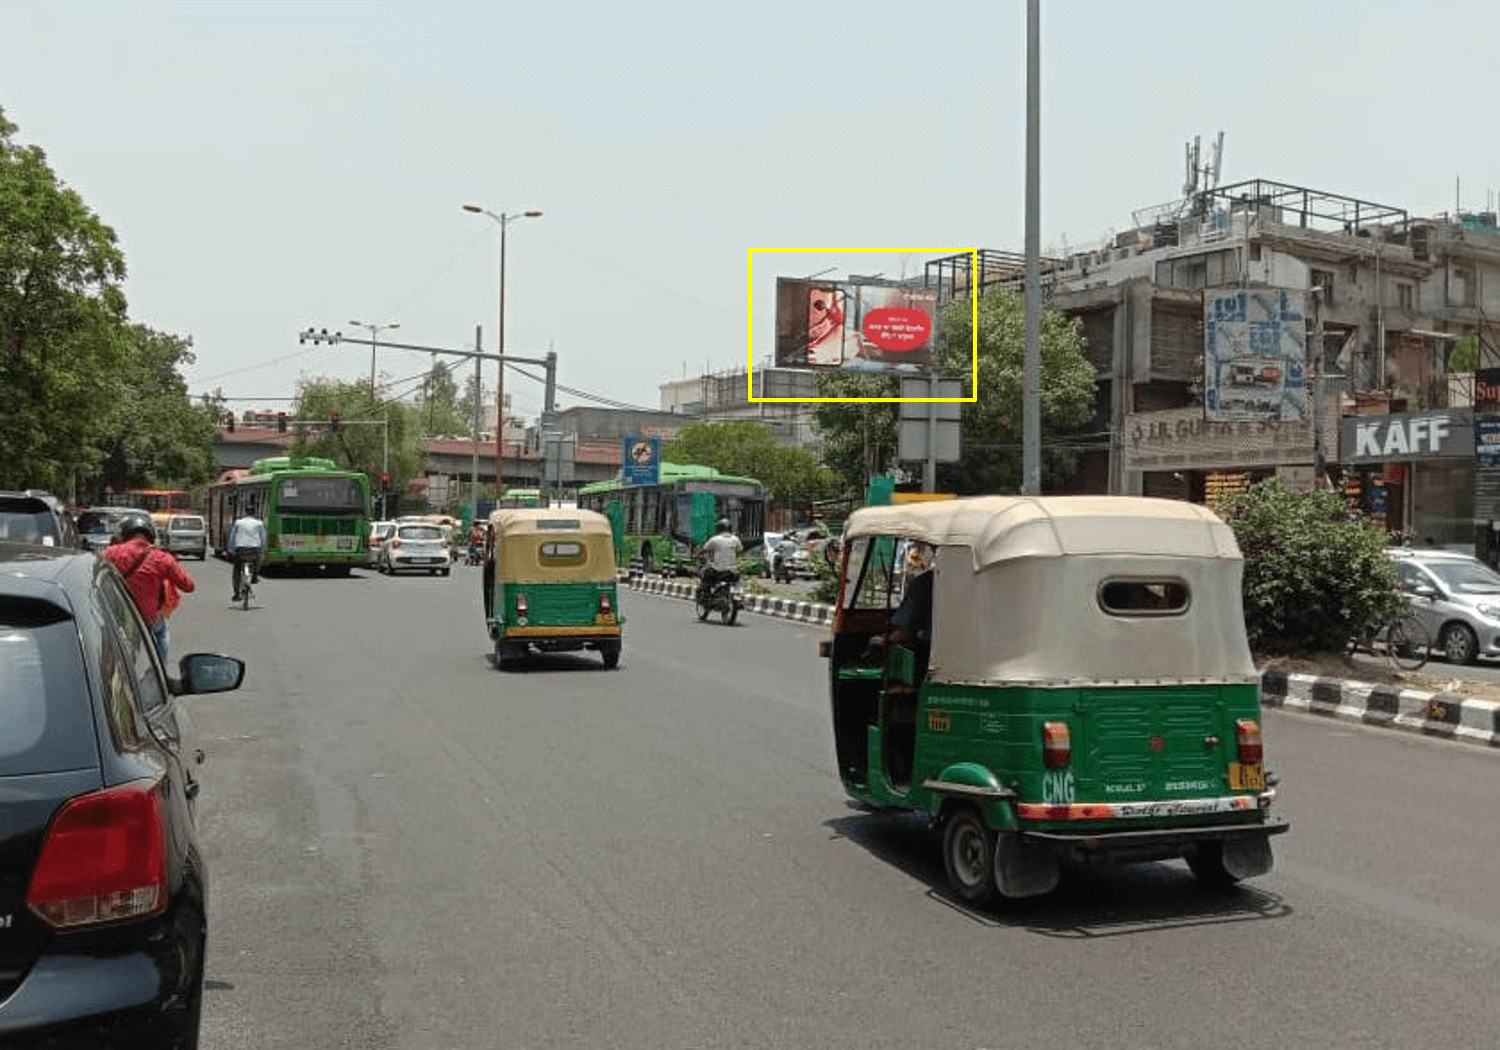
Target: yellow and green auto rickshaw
1052, 680
549, 583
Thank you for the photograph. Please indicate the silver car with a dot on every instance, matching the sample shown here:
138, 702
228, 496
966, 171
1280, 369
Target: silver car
416, 547
185, 534
1457, 598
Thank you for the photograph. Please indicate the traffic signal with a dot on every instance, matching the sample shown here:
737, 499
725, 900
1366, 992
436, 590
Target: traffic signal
335, 421
229, 422
281, 422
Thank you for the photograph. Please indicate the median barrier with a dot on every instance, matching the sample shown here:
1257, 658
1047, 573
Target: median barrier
1445, 715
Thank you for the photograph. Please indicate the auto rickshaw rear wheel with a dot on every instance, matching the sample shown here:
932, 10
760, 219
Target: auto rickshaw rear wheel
969, 855
610, 651
1206, 861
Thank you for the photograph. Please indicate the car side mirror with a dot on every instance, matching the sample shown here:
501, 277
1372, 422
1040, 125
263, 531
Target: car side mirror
209, 673
1423, 590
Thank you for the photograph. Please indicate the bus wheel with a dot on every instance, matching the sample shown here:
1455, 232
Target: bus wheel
969, 855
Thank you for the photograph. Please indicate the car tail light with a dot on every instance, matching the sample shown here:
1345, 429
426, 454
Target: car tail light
1247, 737
104, 859
604, 604
1057, 745
395, 541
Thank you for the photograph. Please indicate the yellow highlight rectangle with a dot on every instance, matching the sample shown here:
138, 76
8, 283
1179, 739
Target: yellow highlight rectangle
973, 350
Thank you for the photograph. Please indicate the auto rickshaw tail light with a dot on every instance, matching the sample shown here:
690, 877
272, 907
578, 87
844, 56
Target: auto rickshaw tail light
520, 605
1247, 737
1057, 745
604, 605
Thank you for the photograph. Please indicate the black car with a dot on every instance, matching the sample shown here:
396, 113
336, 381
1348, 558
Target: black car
103, 890
34, 516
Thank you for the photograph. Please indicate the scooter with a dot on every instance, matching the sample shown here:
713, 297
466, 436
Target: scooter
724, 597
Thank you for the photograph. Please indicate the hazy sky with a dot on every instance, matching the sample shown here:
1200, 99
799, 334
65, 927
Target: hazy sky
278, 165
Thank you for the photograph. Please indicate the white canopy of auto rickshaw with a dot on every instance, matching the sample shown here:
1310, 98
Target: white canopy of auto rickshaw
1018, 595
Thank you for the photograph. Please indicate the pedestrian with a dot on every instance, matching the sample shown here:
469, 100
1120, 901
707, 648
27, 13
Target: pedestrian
152, 576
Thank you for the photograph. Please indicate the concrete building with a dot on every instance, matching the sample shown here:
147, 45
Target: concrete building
725, 396
1378, 299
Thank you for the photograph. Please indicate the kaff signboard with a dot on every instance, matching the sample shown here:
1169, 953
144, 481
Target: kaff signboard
1441, 434
856, 326
639, 460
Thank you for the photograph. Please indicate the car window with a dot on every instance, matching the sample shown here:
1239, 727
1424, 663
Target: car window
421, 532
28, 522
1465, 577
1412, 576
45, 719
186, 524
140, 663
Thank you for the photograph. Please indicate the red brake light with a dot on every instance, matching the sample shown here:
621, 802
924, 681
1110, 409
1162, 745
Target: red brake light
521, 604
395, 541
604, 605
1057, 745
104, 859
1247, 737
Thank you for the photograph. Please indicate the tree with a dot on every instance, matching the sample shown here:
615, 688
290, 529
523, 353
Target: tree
154, 436
62, 313
1313, 578
992, 426
793, 477
859, 435
444, 410
360, 442
859, 438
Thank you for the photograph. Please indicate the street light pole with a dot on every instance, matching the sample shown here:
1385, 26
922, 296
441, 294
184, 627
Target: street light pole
375, 330
504, 219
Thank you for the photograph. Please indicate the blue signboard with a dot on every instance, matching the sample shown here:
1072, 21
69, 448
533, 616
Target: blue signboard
639, 460
1487, 440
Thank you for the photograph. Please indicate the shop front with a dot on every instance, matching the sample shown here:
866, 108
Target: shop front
1178, 454
1413, 474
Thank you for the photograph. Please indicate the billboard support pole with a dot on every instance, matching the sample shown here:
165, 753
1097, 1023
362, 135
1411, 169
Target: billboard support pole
929, 468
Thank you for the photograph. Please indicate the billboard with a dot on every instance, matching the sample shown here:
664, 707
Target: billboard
856, 326
639, 460
1255, 356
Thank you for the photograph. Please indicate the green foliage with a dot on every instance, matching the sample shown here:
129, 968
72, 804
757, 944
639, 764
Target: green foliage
826, 590
793, 477
859, 439
90, 399
443, 409
1465, 355
992, 425
361, 443
1313, 578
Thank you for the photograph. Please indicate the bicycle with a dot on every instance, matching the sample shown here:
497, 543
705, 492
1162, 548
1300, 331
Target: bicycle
1403, 639
243, 572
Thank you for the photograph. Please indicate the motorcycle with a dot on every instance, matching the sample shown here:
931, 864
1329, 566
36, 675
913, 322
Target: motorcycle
723, 596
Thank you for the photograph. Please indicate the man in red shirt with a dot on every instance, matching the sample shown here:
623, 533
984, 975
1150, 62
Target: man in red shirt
152, 576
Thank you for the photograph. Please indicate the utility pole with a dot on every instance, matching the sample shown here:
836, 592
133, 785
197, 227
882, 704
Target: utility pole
1031, 409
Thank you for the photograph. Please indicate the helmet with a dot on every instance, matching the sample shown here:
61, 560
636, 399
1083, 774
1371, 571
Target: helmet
133, 523
723, 525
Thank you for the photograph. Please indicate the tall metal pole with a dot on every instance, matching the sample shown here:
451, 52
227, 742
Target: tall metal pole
500, 369
375, 330
474, 441
1031, 416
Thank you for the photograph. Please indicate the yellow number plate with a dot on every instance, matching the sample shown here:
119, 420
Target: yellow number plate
1245, 777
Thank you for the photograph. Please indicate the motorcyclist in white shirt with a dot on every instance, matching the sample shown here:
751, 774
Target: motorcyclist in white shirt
720, 552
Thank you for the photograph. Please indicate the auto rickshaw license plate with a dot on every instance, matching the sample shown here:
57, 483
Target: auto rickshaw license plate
1247, 776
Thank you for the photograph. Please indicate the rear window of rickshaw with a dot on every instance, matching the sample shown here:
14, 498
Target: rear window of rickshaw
1144, 597
562, 552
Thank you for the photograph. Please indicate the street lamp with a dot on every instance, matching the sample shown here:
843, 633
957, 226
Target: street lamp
504, 219
375, 330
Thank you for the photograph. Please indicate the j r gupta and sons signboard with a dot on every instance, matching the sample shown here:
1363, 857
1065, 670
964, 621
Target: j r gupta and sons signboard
1444, 434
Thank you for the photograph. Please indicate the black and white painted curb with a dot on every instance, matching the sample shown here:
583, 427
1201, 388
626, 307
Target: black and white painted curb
784, 608
1445, 715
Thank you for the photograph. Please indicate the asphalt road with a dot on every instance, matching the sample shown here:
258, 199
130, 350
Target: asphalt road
410, 849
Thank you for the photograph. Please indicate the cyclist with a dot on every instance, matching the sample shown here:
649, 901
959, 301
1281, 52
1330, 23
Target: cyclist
247, 544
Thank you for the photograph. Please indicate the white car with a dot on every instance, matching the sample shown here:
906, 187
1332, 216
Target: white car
416, 547
380, 531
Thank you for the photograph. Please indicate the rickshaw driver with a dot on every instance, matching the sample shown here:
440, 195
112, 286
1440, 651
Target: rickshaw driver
911, 623
720, 550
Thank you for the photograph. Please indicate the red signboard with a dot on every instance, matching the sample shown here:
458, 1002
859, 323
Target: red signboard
898, 329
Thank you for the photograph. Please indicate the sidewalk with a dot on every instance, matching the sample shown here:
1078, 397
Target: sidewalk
1447, 715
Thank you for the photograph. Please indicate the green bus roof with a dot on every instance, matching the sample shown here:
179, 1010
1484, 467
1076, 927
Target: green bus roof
669, 473
280, 464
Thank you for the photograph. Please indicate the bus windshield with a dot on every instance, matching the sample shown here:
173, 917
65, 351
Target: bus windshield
329, 494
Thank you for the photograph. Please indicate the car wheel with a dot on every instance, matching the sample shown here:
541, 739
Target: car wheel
969, 855
1460, 644
1206, 860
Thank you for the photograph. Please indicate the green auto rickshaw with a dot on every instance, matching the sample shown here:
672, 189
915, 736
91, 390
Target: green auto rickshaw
1052, 680
549, 583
